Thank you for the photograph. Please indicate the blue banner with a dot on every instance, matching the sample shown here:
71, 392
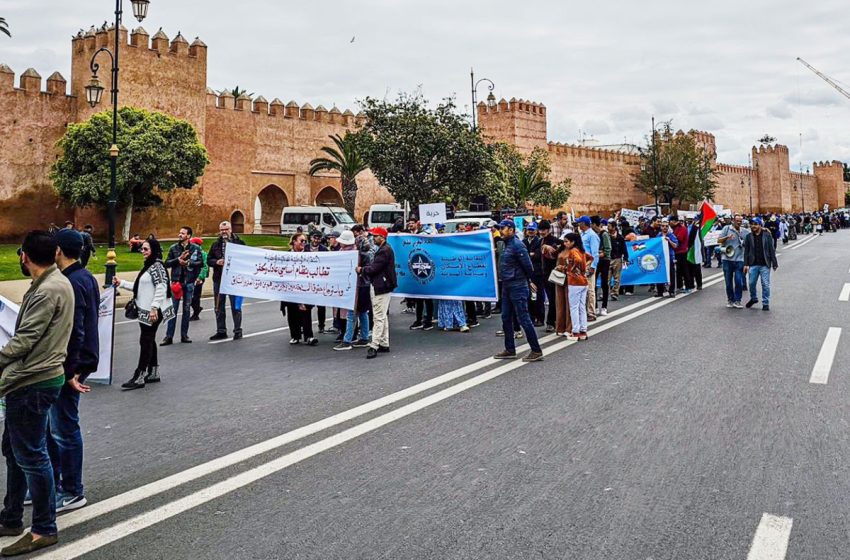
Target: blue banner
458, 266
649, 261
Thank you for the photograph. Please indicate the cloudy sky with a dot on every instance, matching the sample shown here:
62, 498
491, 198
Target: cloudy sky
602, 68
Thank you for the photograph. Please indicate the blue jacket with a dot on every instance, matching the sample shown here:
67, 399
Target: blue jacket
515, 264
84, 346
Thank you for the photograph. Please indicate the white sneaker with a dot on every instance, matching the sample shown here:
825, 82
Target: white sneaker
729, 304
603, 312
737, 305
464, 329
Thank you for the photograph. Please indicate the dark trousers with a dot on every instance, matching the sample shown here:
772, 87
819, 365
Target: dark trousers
515, 308
300, 321
604, 274
221, 312
188, 293
684, 280
65, 442
671, 279
147, 346
27, 462
321, 311
471, 313
196, 299
696, 274
536, 306
551, 315
424, 311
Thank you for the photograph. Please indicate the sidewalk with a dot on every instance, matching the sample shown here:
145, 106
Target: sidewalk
14, 290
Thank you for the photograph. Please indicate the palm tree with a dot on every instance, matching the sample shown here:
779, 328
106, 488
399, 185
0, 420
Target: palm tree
528, 183
237, 93
347, 160
4, 27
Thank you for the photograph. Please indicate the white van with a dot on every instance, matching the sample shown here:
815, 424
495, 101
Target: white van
384, 215
325, 218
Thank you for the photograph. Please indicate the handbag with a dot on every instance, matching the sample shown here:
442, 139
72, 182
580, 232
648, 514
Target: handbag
557, 277
131, 310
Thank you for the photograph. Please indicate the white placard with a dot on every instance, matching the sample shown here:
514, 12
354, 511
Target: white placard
633, 216
105, 329
8, 317
710, 238
432, 213
687, 214
323, 278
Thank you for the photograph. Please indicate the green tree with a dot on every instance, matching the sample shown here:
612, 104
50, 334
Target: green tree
157, 153
522, 180
676, 167
347, 160
4, 27
424, 155
237, 93
846, 172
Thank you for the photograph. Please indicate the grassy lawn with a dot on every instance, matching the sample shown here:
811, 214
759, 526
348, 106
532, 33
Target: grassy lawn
127, 261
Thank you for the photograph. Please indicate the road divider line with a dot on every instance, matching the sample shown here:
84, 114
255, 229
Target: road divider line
845, 293
823, 365
142, 521
801, 243
771, 539
157, 487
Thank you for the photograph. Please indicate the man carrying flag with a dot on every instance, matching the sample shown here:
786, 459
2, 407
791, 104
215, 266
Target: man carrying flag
696, 235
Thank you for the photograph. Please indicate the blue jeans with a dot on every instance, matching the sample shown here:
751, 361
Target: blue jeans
65, 442
762, 272
733, 272
188, 292
27, 462
515, 305
363, 319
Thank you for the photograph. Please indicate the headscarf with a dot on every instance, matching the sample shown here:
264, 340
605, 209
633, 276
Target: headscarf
152, 259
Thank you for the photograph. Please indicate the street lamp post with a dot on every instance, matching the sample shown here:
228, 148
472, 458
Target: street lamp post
94, 94
491, 99
750, 182
655, 169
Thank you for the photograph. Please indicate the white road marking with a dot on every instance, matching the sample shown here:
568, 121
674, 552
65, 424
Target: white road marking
171, 509
801, 243
823, 365
771, 539
845, 293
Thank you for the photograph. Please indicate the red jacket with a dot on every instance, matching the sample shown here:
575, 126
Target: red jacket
681, 233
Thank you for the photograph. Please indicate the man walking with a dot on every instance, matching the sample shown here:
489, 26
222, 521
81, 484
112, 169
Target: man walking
732, 242
591, 246
684, 280
382, 277
65, 439
516, 271
184, 264
550, 245
619, 255
88, 245
215, 259
31, 376
759, 258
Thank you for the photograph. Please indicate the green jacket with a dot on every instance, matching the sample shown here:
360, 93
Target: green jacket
205, 271
37, 350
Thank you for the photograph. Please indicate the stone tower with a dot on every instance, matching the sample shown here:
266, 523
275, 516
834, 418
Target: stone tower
771, 164
521, 123
830, 180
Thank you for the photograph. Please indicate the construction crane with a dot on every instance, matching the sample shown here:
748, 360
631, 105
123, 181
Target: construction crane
824, 77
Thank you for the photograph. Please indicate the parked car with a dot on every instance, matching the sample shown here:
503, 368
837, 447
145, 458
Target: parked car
324, 218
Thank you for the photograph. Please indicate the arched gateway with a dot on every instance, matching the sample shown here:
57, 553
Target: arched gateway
268, 209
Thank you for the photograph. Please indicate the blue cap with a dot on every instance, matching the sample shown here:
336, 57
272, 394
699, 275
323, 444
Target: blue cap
758, 221
531, 226
69, 239
507, 223
584, 220
604, 222
440, 226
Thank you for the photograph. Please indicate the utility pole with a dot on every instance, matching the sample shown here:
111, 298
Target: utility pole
750, 181
655, 169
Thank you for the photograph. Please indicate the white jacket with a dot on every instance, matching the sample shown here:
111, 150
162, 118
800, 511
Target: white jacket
153, 293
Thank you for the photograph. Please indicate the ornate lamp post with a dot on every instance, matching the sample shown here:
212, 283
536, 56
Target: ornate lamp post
94, 94
491, 99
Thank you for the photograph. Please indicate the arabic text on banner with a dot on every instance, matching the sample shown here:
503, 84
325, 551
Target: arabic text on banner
649, 261
458, 266
326, 278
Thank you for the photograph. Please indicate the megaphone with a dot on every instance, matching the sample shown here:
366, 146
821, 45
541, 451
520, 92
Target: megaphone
729, 251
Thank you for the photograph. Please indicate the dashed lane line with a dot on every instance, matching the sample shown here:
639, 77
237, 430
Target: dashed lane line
771, 539
845, 293
823, 365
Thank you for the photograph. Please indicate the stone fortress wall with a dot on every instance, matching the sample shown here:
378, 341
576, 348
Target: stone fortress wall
260, 150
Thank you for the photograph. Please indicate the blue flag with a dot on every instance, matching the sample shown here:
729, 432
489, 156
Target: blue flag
649, 261
458, 266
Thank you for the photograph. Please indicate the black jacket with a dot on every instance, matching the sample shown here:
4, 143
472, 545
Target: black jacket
84, 345
178, 273
767, 246
381, 271
217, 252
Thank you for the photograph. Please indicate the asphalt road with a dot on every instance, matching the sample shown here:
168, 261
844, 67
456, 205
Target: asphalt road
680, 430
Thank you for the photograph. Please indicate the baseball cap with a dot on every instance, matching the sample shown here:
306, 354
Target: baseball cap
334, 234
531, 226
379, 231
507, 223
196, 241
758, 221
69, 240
584, 220
604, 222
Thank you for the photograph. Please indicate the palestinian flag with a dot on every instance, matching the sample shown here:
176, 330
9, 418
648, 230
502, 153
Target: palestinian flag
702, 225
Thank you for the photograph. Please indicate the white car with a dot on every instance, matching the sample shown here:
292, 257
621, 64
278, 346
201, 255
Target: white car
324, 218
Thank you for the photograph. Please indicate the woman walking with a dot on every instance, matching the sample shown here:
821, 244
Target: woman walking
451, 315
563, 322
152, 296
576, 270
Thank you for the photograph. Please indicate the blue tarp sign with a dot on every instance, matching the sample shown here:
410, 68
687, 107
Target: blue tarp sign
519, 223
649, 261
459, 266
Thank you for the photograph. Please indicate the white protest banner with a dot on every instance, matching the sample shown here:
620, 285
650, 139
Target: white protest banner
105, 330
432, 213
8, 317
687, 214
711, 238
633, 216
326, 278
